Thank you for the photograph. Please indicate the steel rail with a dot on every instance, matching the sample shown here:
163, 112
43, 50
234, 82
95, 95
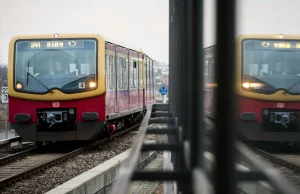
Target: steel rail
14, 178
277, 159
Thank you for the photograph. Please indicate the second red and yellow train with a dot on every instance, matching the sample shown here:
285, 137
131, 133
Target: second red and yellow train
267, 86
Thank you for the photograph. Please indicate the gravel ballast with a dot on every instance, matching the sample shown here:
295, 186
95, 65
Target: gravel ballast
57, 175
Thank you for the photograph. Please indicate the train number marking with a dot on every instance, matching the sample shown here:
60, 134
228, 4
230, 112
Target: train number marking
280, 105
81, 85
4, 90
4, 95
55, 104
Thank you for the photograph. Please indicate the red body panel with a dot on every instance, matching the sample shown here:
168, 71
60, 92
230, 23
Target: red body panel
209, 101
133, 99
111, 102
246, 104
149, 98
256, 106
120, 104
93, 104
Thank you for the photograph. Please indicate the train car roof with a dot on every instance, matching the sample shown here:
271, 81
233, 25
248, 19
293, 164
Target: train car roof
122, 44
109, 39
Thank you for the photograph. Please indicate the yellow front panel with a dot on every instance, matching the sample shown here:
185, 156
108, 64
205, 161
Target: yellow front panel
279, 95
57, 95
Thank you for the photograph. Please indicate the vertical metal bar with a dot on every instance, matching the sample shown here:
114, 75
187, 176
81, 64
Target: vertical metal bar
174, 62
170, 53
176, 8
176, 81
184, 69
225, 98
195, 87
172, 98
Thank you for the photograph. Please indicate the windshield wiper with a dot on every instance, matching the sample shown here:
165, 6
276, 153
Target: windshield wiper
294, 84
48, 90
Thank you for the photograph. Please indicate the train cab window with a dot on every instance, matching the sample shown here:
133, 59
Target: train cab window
122, 73
44, 65
269, 69
111, 71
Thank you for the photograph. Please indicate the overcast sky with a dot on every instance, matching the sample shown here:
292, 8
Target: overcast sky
141, 23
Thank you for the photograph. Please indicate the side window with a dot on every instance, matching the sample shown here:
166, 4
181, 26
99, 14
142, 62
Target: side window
111, 72
146, 78
123, 73
120, 80
133, 73
125, 78
205, 72
130, 66
140, 73
150, 79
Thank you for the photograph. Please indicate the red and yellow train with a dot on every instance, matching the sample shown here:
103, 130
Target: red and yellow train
267, 86
65, 87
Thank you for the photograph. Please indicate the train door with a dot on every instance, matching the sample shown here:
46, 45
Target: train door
152, 83
133, 79
146, 81
149, 79
112, 81
122, 74
129, 79
152, 80
140, 80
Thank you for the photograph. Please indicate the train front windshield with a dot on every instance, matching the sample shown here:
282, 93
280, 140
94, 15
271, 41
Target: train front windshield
271, 65
67, 65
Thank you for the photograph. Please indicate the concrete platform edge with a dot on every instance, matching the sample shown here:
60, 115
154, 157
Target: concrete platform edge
100, 178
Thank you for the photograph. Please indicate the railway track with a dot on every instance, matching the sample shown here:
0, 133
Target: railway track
8, 141
6, 149
287, 164
291, 161
32, 161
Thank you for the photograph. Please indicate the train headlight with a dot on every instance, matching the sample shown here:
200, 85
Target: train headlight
92, 84
246, 85
252, 85
19, 86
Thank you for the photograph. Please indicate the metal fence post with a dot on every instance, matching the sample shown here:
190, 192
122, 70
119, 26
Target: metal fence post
195, 80
225, 179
